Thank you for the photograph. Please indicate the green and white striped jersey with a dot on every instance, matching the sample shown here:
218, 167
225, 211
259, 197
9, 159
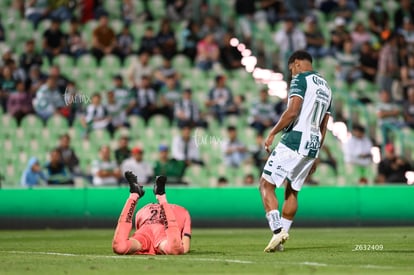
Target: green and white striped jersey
303, 135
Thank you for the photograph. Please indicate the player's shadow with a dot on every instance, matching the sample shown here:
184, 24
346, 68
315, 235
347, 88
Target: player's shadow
313, 247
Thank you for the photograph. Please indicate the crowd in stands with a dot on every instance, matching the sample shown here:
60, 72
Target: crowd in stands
377, 48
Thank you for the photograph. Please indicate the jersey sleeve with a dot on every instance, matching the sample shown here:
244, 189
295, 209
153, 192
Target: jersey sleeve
297, 86
187, 224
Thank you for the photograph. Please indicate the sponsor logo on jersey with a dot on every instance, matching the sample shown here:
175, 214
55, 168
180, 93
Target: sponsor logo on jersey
314, 143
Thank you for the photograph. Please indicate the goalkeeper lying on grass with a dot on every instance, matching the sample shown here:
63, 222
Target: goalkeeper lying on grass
160, 228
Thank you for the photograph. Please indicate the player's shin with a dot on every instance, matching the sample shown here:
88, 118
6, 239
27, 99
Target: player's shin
173, 244
120, 243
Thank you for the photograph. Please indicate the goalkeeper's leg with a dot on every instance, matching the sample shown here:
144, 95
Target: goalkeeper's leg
121, 243
173, 245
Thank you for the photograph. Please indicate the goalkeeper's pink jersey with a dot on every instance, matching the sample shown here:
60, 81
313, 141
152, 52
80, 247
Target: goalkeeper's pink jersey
152, 214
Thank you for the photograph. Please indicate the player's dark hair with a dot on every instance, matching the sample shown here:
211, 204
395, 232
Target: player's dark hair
300, 55
231, 128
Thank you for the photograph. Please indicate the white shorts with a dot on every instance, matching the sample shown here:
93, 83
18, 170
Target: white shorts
286, 164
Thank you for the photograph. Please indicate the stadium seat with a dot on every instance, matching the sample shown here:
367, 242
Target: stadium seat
32, 124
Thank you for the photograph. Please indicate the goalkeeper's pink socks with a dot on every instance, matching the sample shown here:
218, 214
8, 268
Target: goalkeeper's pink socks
121, 243
174, 245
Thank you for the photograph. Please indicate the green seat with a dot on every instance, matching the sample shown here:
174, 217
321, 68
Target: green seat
196, 175
111, 62
32, 125
64, 61
8, 125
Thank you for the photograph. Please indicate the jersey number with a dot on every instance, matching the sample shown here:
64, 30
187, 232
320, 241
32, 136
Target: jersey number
319, 109
154, 214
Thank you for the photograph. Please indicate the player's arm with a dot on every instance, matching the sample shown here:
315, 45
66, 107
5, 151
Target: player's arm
288, 116
323, 127
186, 239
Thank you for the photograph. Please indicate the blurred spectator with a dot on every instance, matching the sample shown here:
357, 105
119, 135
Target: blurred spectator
74, 102
116, 112
128, 12
190, 37
222, 181
123, 95
314, 38
368, 60
61, 80
171, 168
138, 166
62, 9
104, 170
230, 57
166, 39
392, 168
407, 32
339, 35
407, 73
248, 180
53, 40
145, 103
125, 42
280, 107
360, 36
35, 79
76, 46
261, 112
139, 67
347, 68
19, 103
8, 86
104, 39
179, 10
57, 173
163, 72
388, 67
17, 72
289, 38
297, 8
149, 42
378, 19
403, 12
97, 116
245, 11
122, 152
48, 100
36, 10
33, 174
408, 108
170, 94
344, 9
357, 152
30, 57
388, 113
187, 111
212, 25
208, 53
220, 99
2, 32
184, 147
258, 152
69, 157
234, 151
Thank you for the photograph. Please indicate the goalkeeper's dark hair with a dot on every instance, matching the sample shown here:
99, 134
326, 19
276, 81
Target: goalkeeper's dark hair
300, 55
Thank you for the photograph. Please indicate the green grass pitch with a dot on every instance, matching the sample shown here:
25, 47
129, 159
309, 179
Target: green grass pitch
214, 251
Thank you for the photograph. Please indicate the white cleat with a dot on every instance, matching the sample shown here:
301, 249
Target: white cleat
276, 243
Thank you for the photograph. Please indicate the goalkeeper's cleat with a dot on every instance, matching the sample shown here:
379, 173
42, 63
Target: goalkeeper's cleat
159, 186
277, 240
134, 187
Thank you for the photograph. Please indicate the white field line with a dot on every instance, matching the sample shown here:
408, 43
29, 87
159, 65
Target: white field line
141, 257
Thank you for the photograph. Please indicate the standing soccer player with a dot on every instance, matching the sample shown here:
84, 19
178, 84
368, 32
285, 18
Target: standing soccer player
160, 228
304, 126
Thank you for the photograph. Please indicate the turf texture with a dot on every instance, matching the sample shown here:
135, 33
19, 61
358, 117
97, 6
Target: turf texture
214, 251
